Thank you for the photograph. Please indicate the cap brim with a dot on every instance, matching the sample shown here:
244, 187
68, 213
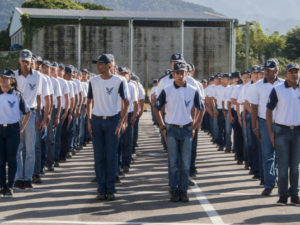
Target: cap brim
266, 68
7, 76
97, 61
26, 59
293, 68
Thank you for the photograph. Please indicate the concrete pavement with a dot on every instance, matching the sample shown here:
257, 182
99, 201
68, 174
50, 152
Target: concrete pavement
224, 194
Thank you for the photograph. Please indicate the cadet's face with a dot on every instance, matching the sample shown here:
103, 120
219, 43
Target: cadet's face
246, 77
45, 70
234, 80
180, 75
217, 81
270, 74
60, 72
261, 75
53, 71
293, 76
225, 81
25, 65
5, 82
103, 68
204, 84
254, 76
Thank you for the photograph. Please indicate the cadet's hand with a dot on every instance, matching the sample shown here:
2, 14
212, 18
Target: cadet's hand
118, 130
37, 122
70, 119
56, 122
164, 134
124, 127
257, 133
21, 134
193, 133
43, 126
231, 119
63, 118
132, 121
216, 113
90, 128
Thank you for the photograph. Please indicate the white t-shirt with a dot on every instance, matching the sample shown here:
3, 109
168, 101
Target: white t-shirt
57, 90
141, 91
30, 86
64, 90
133, 97
105, 94
219, 94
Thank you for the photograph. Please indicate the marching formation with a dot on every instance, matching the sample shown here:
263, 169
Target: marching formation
49, 111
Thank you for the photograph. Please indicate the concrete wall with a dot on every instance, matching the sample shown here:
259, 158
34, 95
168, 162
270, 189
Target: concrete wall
208, 48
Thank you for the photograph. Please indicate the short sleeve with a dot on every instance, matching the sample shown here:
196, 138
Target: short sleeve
273, 100
23, 106
161, 100
197, 102
122, 91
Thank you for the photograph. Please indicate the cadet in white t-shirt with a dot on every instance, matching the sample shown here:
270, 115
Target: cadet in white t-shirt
105, 123
178, 129
152, 100
12, 105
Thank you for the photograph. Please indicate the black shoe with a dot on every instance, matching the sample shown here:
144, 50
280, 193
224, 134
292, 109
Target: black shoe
227, 150
136, 145
101, 196
183, 196
69, 155
267, 192
191, 183
110, 196
42, 172
94, 180
174, 196
239, 162
250, 172
221, 148
295, 200
27, 184
2, 192
19, 184
8, 192
125, 169
73, 152
118, 181
56, 164
50, 168
282, 200
255, 177
193, 173
262, 183
121, 174
36, 179
246, 167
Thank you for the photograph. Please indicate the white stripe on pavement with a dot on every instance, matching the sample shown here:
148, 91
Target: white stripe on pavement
208, 208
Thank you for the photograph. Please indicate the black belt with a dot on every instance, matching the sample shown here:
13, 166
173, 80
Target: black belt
181, 126
105, 117
288, 127
32, 109
9, 125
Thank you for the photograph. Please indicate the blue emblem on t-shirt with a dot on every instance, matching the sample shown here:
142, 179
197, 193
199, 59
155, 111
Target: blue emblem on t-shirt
187, 103
11, 104
109, 90
32, 86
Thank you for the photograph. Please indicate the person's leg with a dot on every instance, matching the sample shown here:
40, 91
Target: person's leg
12, 143
51, 140
215, 129
228, 130
29, 137
20, 159
194, 153
185, 157
64, 140
239, 139
82, 127
245, 145
58, 138
127, 141
283, 151
3, 157
249, 139
255, 148
294, 163
173, 155
136, 132
111, 149
38, 151
268, 156
99, 153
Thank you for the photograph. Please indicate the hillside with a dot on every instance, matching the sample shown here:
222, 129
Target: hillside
8, 6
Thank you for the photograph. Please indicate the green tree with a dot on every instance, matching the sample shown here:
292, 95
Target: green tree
292, 49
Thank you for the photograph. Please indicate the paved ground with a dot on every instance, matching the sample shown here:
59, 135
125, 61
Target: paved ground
224, 194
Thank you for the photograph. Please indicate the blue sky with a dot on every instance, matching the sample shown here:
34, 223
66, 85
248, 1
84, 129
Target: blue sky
281, 15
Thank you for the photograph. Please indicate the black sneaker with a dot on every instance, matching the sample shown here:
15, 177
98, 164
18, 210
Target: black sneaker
282, 200
183, 196
2, 192
36, 179
94, 180
256, 177
295, 200
8, 192
110, 196
262, 183
267, 192
174, 196
121, 174
191, 183
50, 168
221, 148
101, 196
27, 184
125, 169
239, 162
69, 155
118, 181
56, 164
42, 172
19, 184
227, 150
251, 172
73, 152
193, 174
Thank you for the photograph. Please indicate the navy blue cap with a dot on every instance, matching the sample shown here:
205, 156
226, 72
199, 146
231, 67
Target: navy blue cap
239, 81
104, 58
177, 57
7, 73
190, 67
217, 75
261, 69
46, 63
37, 58
292, 66
271, 64
204, 80
225, 75
180, 66
69, 70
246, 72
155, 81
255, 69
62, 66
54, 65
210, 79
25, 55
236, 74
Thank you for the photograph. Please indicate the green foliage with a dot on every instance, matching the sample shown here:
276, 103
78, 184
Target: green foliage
292, 50
92, 6
9, 60
4, 40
